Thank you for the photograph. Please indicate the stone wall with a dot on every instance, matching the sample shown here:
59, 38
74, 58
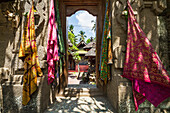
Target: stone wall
163, 40
6, 35
11, 28
41, 99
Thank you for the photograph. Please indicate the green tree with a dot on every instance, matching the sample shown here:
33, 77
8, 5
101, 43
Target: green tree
71, 28
91, 38
94, 26
71, 35
81, 35
76, 57
73, 40
88, 41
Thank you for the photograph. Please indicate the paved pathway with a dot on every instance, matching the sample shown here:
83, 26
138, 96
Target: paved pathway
80, 105
72, 78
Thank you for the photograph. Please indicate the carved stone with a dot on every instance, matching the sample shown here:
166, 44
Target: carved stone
119, 56
158, 6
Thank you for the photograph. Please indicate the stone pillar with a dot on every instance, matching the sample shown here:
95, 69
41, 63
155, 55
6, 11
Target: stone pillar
149, 10
167, 21
1, 96
163, 40
4, 75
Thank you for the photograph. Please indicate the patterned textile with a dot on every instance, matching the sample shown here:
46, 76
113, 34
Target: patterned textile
61, 44
143, 67
110, 56
52, 47
104, 67
28, 53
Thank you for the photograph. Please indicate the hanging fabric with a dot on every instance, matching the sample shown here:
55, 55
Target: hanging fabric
143, 67
28, 53
104, 68
60, 43
109, 38
52, 47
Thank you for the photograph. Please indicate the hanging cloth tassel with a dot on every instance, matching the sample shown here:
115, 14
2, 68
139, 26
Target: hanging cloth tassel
28, 53
143, 67
109, 38
52, 48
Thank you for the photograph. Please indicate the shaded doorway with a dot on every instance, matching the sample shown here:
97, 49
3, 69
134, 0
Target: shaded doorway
81, 37
94, 7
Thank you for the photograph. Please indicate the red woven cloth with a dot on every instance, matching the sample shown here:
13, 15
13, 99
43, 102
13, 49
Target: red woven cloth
52, 47
143, 67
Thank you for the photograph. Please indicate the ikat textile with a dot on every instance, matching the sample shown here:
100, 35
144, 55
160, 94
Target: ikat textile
52, 47
61, 44
104, 67
143, 67
28, 53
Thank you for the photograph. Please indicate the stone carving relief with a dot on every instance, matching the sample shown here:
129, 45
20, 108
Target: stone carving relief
118, 47
158, 6
120, 7
119, 56
11, 13
4, 73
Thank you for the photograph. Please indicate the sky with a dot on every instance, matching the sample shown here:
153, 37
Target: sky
81, 20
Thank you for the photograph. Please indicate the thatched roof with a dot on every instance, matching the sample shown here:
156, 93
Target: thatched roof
82, 43
81, 52
91, 52
90, 45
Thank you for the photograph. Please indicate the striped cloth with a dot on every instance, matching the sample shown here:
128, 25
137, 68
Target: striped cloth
28, 53
105, 58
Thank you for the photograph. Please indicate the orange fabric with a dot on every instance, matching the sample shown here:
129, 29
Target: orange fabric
28, 53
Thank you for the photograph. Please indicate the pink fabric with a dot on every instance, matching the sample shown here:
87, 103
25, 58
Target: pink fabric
143, 67
52, 48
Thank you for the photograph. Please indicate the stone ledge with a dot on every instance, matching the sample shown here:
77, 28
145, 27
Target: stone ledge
4, 73
41, 99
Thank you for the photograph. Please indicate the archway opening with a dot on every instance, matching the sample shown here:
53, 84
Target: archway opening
81, 36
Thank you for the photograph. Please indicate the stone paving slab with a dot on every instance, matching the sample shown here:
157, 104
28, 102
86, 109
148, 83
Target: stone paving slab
80, 105
72, 78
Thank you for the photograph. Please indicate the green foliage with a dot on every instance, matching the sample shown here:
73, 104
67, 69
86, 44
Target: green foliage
71, 35
81, 35
88, 41
71, 28
94, 38
94, 25
76, 57
73, 48
73, 40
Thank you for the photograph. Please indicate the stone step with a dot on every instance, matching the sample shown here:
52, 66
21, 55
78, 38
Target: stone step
81, 92
17, 79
